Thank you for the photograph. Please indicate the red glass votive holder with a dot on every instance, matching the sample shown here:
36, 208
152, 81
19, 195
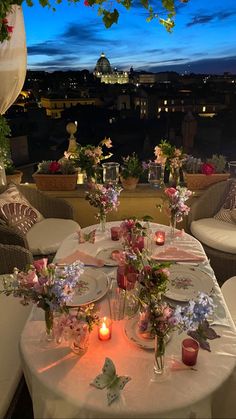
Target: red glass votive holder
115, 233
160, 237
104, 329
190, 348
126, 277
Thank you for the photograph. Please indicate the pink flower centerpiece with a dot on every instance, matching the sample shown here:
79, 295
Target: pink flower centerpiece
105, 198
176, 205
48, 286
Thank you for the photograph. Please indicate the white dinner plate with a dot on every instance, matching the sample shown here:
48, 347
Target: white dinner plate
92, 286
132, 332
105, 254
185, 282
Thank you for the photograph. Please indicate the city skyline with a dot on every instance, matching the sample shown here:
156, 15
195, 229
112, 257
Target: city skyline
73, 37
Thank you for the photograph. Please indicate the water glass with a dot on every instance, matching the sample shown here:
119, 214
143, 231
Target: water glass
155, 177
116, 299
111, 172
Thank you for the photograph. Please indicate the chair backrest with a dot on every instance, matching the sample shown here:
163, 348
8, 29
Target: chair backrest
229, 291
12, 256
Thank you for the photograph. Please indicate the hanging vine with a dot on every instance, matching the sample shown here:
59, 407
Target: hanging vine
110, 15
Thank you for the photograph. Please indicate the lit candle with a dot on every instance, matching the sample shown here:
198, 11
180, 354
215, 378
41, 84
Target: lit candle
160, 238
104, 329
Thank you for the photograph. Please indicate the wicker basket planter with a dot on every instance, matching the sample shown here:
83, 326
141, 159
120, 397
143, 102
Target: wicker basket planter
200, 181
55, 182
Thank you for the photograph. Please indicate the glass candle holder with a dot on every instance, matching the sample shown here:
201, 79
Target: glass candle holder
160, 237
190, 348
104, 329
115, 233
155, 175
111, 172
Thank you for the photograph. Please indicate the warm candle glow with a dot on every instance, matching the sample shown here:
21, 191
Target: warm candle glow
160, 238
104, 329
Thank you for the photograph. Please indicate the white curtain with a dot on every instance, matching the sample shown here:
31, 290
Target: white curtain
13, 60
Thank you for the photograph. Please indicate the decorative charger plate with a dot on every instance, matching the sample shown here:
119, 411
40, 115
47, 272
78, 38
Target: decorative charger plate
92, 286
131, 330
105, 254
185, 282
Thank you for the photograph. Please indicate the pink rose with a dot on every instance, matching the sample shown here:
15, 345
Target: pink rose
40, 264
207, 169
170, 192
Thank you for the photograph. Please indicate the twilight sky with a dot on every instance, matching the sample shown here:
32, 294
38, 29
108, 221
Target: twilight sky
73, 37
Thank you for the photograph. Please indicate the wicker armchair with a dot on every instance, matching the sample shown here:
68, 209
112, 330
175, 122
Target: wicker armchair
13, 256
206, 206
49, 207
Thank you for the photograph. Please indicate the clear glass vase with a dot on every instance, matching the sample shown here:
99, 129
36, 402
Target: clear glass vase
174, 177
172, 226
79, 344
102, 219
49, 317
159, 355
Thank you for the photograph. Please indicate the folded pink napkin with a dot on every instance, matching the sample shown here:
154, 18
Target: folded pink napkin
175, 254
83, 257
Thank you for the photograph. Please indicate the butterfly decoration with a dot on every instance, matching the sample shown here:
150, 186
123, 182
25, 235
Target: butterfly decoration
87, 237
108, 378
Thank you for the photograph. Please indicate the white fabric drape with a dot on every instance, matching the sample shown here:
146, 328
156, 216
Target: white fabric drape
13, 59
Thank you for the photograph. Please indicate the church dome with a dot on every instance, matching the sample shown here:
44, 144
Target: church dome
103, 66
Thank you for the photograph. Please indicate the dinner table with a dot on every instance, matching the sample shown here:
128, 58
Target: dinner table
59, 380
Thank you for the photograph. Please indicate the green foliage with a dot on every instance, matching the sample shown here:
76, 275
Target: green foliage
105, 9
5, 152
131, 167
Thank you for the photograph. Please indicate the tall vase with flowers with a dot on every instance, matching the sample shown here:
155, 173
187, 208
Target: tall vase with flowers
105, 199
176, 206
89, 157
48, 286
172, 158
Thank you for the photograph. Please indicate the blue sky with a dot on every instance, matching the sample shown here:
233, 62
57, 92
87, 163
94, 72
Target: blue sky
73, 37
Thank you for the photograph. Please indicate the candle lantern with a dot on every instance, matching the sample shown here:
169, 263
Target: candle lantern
104, 329
160, 237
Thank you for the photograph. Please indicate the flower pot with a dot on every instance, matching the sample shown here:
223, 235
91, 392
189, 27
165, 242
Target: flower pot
45, 182
201, 181
129, 183
15, 177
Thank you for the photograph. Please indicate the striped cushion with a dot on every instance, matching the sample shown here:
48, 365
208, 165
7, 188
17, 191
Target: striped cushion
225, 213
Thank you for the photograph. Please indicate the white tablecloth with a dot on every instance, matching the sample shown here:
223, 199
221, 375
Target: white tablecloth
59, 380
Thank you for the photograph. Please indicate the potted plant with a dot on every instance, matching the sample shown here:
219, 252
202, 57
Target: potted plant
88, 157
56, 175
131, 170
12, 175
201, 174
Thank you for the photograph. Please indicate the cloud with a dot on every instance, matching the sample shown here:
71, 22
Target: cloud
205, 66
201, 19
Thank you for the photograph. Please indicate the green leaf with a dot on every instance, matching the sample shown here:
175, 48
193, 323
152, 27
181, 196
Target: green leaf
110, 17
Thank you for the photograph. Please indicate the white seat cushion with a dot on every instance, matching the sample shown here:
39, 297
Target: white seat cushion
46, 236
216, 234
229, 291
13, 316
